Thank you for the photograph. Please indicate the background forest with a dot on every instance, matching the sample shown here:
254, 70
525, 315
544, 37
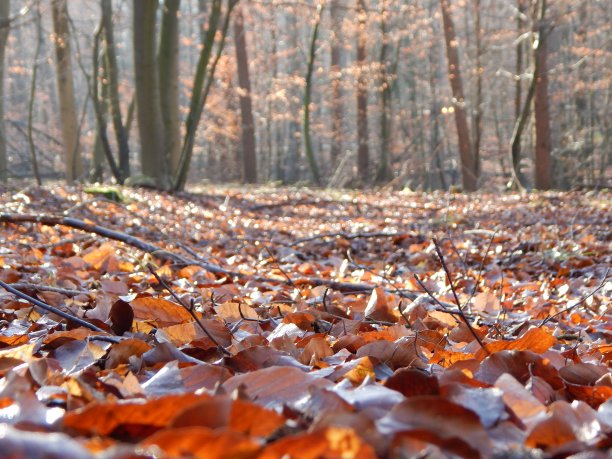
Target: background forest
425, 94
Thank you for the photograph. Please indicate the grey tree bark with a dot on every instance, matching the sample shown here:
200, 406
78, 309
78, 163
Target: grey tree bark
112, 72
150, 126
5, 8
168, 68
65, 87
363, 149
247, 129
469, 164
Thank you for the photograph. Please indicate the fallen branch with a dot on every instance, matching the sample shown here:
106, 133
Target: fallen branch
189, 309
347, 236
50, 308
46, 288
165, 255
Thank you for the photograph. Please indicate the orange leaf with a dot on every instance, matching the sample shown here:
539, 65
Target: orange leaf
328, 443
103, 418
534, 340
162, 311
201, 442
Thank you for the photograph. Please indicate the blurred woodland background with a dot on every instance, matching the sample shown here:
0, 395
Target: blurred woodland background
425, 94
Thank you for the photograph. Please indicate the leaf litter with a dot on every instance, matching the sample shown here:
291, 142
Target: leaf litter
263, 323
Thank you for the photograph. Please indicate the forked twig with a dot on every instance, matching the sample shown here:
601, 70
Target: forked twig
582, 300
50, 308
189, 309
461, 313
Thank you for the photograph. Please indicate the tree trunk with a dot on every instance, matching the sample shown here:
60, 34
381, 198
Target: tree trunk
65, 87
201, 85
312, 161
516, 147
112, 71
5, 8
150, 126
32, 99
543, 162
469, 171
363, 151
336, 83
383, 172
247, 128
478, 102
168, 68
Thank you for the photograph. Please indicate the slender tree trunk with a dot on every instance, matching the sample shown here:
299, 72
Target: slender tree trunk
383, 172
336, 83
516, 147
5, 9
469, 170
543, 161
112, 71
168, 68
247, 128
100, 105
363, 150
32, 100
65, 86
150, 125
312, 161
478, 102
202, 83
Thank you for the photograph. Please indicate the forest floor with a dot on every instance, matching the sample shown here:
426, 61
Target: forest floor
266, 322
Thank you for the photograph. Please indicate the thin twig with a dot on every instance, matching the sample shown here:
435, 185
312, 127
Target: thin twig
189, 309
324, 300
480, 271
447, 271
50, 308
582, 300
275, 260
460, 312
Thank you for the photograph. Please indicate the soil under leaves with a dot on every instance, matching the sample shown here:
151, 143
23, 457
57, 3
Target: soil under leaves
305, 329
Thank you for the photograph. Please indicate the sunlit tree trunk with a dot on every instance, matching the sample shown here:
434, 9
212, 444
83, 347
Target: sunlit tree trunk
168, 68
363, 150
202, 82
247, 128
469, 170
5, 8
150, 125
312, 161
543, 160
65, 86
111, 73
515, 149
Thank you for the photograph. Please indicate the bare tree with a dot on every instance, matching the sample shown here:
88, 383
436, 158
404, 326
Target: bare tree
363, 149
218, 22
168, 68
312, 161
65, 86
469, 169
111, 73
247, 130
150, 126
5, 8
543, 160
